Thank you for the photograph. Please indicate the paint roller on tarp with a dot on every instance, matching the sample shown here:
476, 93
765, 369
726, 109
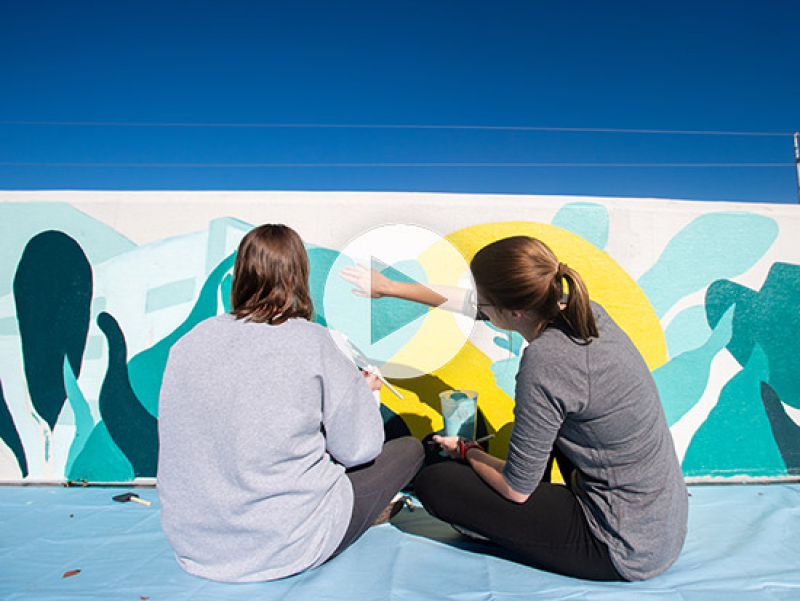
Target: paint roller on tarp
131, 496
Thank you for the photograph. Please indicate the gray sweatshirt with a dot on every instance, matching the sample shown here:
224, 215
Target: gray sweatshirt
256, 426
599, 404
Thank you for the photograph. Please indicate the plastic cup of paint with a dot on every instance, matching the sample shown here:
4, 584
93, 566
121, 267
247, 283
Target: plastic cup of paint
459, 409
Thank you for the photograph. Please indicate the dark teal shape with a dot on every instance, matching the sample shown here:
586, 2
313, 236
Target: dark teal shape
768, 318
21, 221
713, 246
391, 314
9, 434
784, 430
53, 295
588, 220
101, 460
682, 381
131, 427
146, 370
736, 438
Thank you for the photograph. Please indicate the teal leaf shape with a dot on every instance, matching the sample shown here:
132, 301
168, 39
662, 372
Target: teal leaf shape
736, 438
713, 246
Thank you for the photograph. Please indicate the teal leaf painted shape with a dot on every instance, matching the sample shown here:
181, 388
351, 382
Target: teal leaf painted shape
133, 429
687, 331
713, 246
736, 438
101, 460
682, 381
21, 221
52, 296
785, 431
320, 261
586, 219
768, 318
84, 422
505, 374
146, 370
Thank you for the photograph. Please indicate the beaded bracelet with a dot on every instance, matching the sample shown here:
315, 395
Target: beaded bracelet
463, 447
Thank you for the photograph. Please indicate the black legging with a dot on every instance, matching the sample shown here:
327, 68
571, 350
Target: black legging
376, 483
549, 531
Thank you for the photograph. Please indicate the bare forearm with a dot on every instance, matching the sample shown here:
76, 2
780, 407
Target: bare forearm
416, 293
450, 298
490, 469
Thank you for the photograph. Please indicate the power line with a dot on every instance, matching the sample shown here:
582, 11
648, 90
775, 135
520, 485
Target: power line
391, 165
398, 126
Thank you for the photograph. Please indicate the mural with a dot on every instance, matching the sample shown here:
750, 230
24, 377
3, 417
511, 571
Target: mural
88, 316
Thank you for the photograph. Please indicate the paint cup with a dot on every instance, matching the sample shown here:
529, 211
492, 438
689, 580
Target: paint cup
459, 409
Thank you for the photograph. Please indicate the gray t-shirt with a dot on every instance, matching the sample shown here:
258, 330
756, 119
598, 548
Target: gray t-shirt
598, 402
257, 424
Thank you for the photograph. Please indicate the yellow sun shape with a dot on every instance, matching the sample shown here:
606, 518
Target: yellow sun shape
608, 285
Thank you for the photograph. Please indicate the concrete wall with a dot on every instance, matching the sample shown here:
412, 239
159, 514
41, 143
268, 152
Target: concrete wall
96, 286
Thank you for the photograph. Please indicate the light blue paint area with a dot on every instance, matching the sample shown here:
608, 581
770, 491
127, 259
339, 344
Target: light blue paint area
95, 345
101, 460
82, 415
146, 369
9, 326
98, 306
737, 437
712, 247
682, 381
169, 295
586, 219
687, 331
505, 370
505, 374
224, 235
21, 221
515, 345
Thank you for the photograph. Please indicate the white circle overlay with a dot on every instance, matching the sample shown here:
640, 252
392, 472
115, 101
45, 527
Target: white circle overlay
411, 340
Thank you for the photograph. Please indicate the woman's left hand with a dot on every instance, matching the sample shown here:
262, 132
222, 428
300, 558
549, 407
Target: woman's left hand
449, 445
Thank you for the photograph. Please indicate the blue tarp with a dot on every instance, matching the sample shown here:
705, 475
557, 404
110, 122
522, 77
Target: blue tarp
743, 543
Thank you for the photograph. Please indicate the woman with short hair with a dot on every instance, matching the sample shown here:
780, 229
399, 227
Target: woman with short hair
272, 457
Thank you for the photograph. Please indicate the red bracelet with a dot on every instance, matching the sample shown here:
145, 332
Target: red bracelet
463, 447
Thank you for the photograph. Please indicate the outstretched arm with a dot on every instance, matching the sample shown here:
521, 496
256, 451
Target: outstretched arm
371, 283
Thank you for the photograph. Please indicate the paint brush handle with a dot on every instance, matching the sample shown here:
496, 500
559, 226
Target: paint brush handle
480, 440
140, 501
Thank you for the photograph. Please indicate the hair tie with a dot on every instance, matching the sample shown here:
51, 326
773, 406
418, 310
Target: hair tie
562, 269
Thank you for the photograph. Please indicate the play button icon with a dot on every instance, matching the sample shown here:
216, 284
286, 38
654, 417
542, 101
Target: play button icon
377, 328
404, 339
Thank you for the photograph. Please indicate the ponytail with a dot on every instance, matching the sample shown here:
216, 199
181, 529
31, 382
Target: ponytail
578, 312
522, 273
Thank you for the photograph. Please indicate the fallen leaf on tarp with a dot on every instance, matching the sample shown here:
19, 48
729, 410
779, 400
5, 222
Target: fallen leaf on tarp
71, 573
144, 598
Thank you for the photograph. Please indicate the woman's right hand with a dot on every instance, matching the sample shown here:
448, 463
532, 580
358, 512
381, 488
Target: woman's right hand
369, 282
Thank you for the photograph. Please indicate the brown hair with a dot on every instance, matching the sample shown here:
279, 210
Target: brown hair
270, 276
522, 273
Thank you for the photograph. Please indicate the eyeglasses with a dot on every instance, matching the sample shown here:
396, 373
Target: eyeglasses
476, 308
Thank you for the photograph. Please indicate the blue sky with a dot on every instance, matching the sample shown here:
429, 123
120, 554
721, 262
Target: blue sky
632, 65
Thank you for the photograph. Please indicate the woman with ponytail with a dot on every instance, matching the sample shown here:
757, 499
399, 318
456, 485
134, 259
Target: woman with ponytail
584, 395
